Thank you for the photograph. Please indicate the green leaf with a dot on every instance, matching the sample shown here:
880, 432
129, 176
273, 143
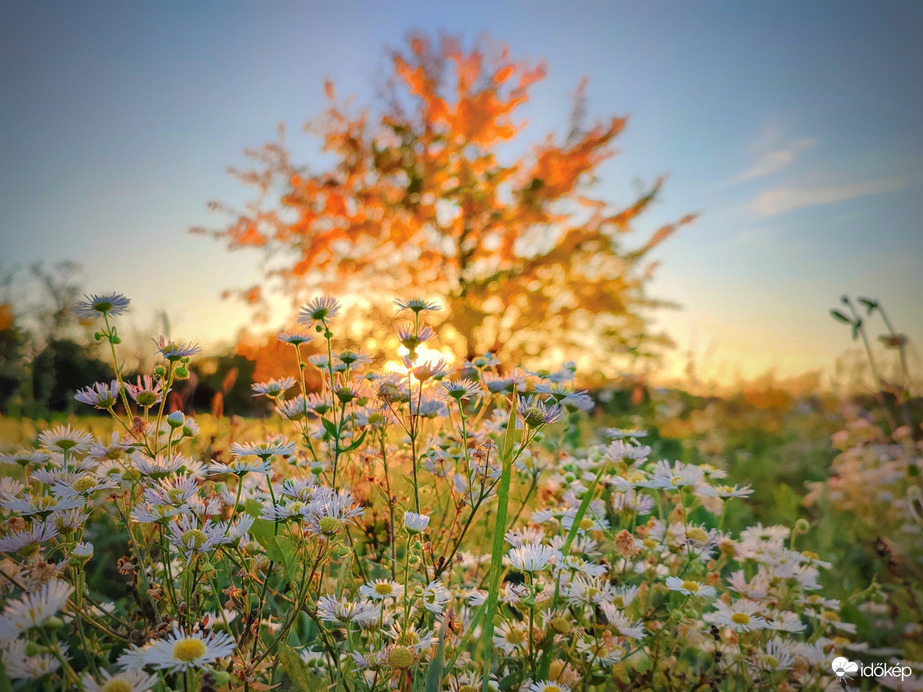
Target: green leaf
434, 672
837, 315
287, 555
496, 557
330, 427
857, 325
358, 442
299, 674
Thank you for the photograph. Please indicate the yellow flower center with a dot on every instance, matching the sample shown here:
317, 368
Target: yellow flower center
409, 638
586, 524
46, 502
175, 496
740, 619
117, 685
697, 534
561, 625
84, 483
467, 688
692, 586
330, 526
197, 538
830, 615
383, 589
551, 688
515, 637
189, 650
401, 657
769, 662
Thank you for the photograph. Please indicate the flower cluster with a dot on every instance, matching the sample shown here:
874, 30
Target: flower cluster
424, 523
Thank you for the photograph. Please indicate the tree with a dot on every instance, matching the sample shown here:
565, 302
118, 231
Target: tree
422, 200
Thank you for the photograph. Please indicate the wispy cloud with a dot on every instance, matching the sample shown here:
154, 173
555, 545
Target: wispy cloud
783, 199
771, 154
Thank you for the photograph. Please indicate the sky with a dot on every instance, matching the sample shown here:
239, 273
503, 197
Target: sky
792, 128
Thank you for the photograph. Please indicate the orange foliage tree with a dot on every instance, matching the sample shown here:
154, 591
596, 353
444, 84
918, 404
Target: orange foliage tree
419, 200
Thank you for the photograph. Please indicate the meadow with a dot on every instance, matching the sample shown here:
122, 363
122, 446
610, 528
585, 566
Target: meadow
456, 527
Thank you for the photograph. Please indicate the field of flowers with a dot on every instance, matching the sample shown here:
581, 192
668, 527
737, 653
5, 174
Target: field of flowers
430, 527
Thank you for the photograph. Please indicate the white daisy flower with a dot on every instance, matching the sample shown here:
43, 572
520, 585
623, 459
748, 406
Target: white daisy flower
34, 609
690, 587
126, 681
548, 686
38, 532
101, 395
530, 557
381, 589
274, 387
320, 309
435, 596
741, 615
20, 666
93, 306
415, 523
179, 652
63, 438
343, 611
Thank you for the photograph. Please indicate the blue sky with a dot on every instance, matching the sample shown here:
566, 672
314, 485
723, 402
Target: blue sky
792, 127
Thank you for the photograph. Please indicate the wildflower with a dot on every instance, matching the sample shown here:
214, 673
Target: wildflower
263, 450
160, 465
295, 338
462, 389
774, 655
536, 412
381, 589
739, 615
241, 466
125, 681
329, 511
411, 335
565, 396
415, 523
146, 392
320, 309
101, 395
416, 305
21, 666
530, 557
622, 624
179, 652
65, 439
84, 485
34, 609
273, 388
101, 305
509, 636
25, 457
174, 351
191, 539
349, 358
435, 596
678, 475
83, 551
548, 686
726, 491
428, 369
41, 505
690, 587
343, 611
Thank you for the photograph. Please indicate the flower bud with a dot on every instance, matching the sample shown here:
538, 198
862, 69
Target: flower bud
176, 419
